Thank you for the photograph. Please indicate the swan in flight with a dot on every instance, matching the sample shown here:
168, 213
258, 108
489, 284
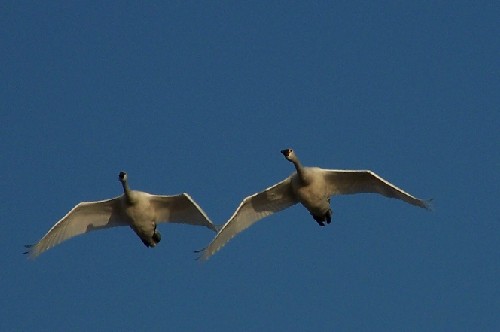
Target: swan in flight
139, 210
310, 186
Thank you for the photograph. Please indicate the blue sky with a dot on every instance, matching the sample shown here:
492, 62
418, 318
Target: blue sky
200, 97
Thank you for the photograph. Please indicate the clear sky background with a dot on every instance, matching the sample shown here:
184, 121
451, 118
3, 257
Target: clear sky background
200, 97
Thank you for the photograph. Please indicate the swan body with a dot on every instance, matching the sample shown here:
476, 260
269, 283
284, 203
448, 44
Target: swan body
139, 210
310, 186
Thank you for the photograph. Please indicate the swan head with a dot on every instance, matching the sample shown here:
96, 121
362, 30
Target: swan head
288, 153
122, 176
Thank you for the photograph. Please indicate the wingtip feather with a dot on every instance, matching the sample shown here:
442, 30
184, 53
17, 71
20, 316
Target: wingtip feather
429, 204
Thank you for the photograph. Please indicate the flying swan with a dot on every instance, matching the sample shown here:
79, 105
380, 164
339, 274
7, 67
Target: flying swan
139, 210
310, 186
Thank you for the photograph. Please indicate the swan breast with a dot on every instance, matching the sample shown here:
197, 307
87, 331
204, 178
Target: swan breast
312, 192
138, 209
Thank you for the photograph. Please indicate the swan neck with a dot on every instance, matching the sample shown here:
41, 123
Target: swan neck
299, 168
126, 191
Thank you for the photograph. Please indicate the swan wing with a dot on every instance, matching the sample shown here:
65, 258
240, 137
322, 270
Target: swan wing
180, 209
345, 182
252, 209
83, 218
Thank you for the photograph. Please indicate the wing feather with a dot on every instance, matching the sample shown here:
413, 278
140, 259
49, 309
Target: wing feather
180, 209
345, 182
252, 209
83, 218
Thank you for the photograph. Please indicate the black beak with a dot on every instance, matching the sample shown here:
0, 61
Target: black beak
285, 152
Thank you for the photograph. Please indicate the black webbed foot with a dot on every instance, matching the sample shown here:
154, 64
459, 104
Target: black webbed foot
157, 237
319, 220
328, 216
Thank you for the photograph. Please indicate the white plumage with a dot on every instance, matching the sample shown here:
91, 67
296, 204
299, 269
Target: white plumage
139, 210
310, 186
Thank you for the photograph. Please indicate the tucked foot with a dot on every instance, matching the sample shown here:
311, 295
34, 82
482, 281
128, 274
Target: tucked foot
328, 216
319, 220
146, 243
157, 237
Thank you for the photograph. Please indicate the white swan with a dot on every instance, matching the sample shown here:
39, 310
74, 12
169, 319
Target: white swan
310, 186
139, 210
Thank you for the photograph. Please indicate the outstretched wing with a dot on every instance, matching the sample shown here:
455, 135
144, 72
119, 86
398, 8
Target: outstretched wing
83, 218
252, 209
180, 209
344, 182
